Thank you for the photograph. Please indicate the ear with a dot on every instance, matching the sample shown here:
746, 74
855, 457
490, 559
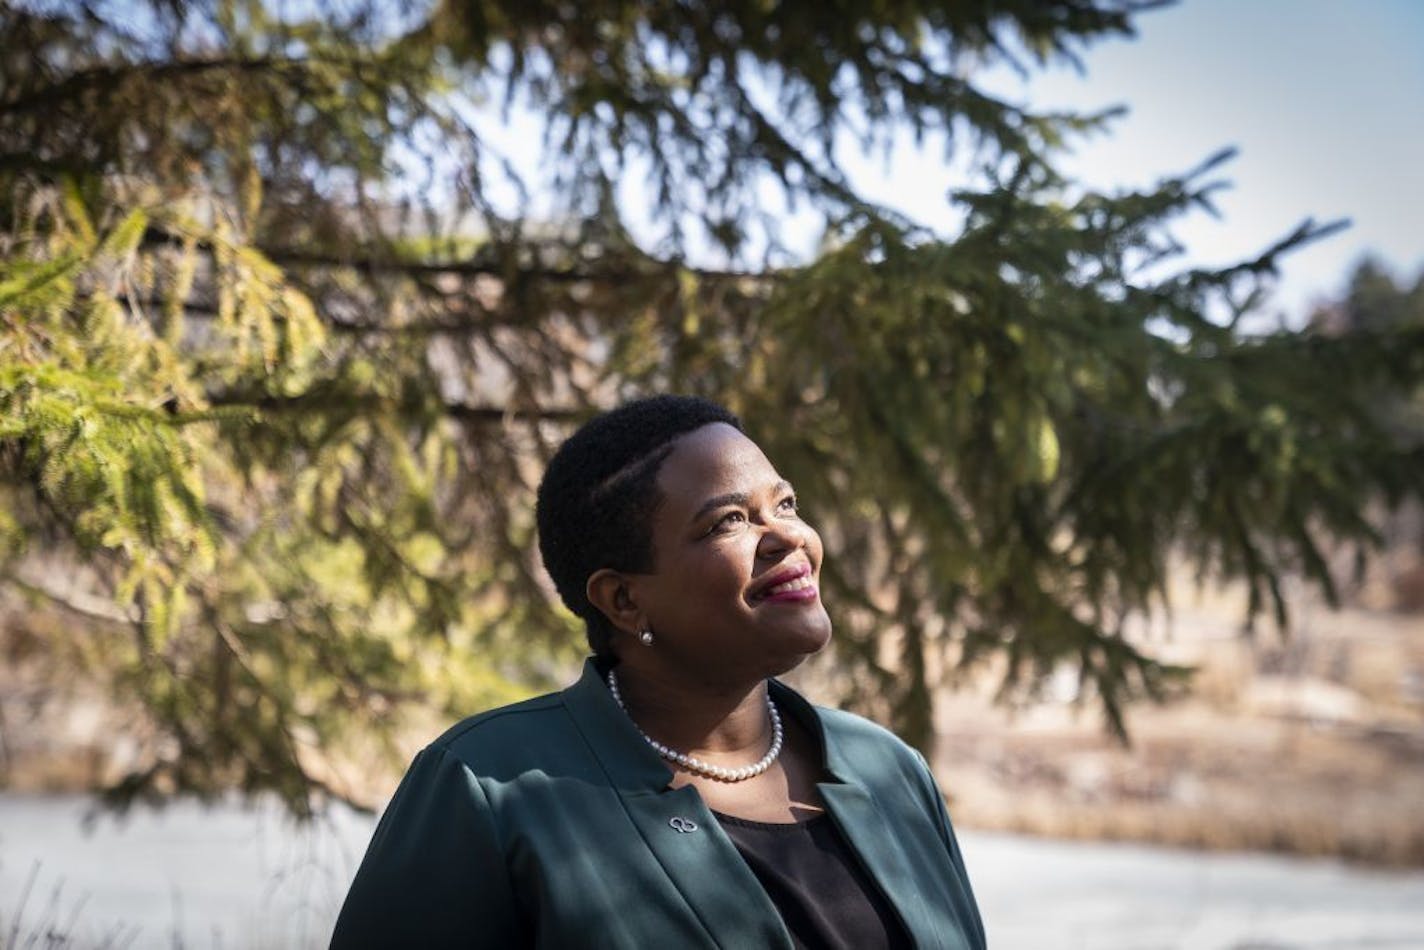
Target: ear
610, 592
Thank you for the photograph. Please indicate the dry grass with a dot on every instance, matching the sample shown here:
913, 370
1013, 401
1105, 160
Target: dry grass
1312, 745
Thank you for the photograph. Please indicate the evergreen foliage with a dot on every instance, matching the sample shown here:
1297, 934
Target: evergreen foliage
284, 342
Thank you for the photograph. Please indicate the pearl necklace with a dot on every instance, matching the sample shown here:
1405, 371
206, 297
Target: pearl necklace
694, 764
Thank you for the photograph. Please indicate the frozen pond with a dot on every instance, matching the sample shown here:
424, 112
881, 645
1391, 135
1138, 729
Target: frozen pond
245, 879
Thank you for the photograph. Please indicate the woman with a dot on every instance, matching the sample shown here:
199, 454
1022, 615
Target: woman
676, 795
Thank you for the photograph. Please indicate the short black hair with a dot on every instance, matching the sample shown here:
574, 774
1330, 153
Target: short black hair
598, 495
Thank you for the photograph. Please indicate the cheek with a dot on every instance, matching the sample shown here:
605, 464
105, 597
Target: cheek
717, 571
814, 546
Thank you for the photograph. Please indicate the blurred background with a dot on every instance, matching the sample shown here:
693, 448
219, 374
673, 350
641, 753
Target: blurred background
1090, 331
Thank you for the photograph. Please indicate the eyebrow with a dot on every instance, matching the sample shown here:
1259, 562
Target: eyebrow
736, 498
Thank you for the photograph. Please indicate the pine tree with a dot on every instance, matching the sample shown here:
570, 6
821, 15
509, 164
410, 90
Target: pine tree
280, 356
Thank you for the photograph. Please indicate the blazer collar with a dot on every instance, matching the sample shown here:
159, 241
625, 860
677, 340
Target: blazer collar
630, 762
831, 757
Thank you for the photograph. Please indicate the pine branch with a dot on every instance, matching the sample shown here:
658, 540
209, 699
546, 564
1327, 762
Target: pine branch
374, 264
360, 404
87, 607
110, 75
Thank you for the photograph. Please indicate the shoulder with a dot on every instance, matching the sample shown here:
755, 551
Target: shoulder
514, 717
852, 742
867, 746
507, 734
849, 727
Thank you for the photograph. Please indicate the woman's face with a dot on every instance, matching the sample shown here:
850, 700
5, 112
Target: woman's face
735, 590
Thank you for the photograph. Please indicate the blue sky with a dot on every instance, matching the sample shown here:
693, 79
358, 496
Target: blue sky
1324, 99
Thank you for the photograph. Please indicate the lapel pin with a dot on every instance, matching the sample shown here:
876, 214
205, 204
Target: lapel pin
683, 825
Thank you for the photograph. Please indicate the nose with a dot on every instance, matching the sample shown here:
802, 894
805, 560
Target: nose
780, 536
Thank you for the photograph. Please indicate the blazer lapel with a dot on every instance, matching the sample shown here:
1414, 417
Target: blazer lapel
682, 833
705, 867
863, 824
874, 842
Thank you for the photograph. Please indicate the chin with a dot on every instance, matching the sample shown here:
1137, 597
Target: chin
797, 649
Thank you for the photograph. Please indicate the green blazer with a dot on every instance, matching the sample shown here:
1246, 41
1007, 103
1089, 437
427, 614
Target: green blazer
550, 823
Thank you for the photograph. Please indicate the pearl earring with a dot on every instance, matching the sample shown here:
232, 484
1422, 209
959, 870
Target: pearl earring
647, 637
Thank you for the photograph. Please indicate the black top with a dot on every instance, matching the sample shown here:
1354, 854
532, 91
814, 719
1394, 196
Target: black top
825, 898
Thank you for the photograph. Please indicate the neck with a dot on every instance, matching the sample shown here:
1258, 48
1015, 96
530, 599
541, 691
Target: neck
697, 717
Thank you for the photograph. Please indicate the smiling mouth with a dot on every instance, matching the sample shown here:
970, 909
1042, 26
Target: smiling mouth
801, 587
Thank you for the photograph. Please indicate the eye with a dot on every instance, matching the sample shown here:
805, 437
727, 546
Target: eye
727, 522
788, 504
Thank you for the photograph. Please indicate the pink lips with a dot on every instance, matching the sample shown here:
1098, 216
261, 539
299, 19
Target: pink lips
796, 595
791, 596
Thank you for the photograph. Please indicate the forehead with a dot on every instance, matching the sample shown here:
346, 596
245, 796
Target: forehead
712, 460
